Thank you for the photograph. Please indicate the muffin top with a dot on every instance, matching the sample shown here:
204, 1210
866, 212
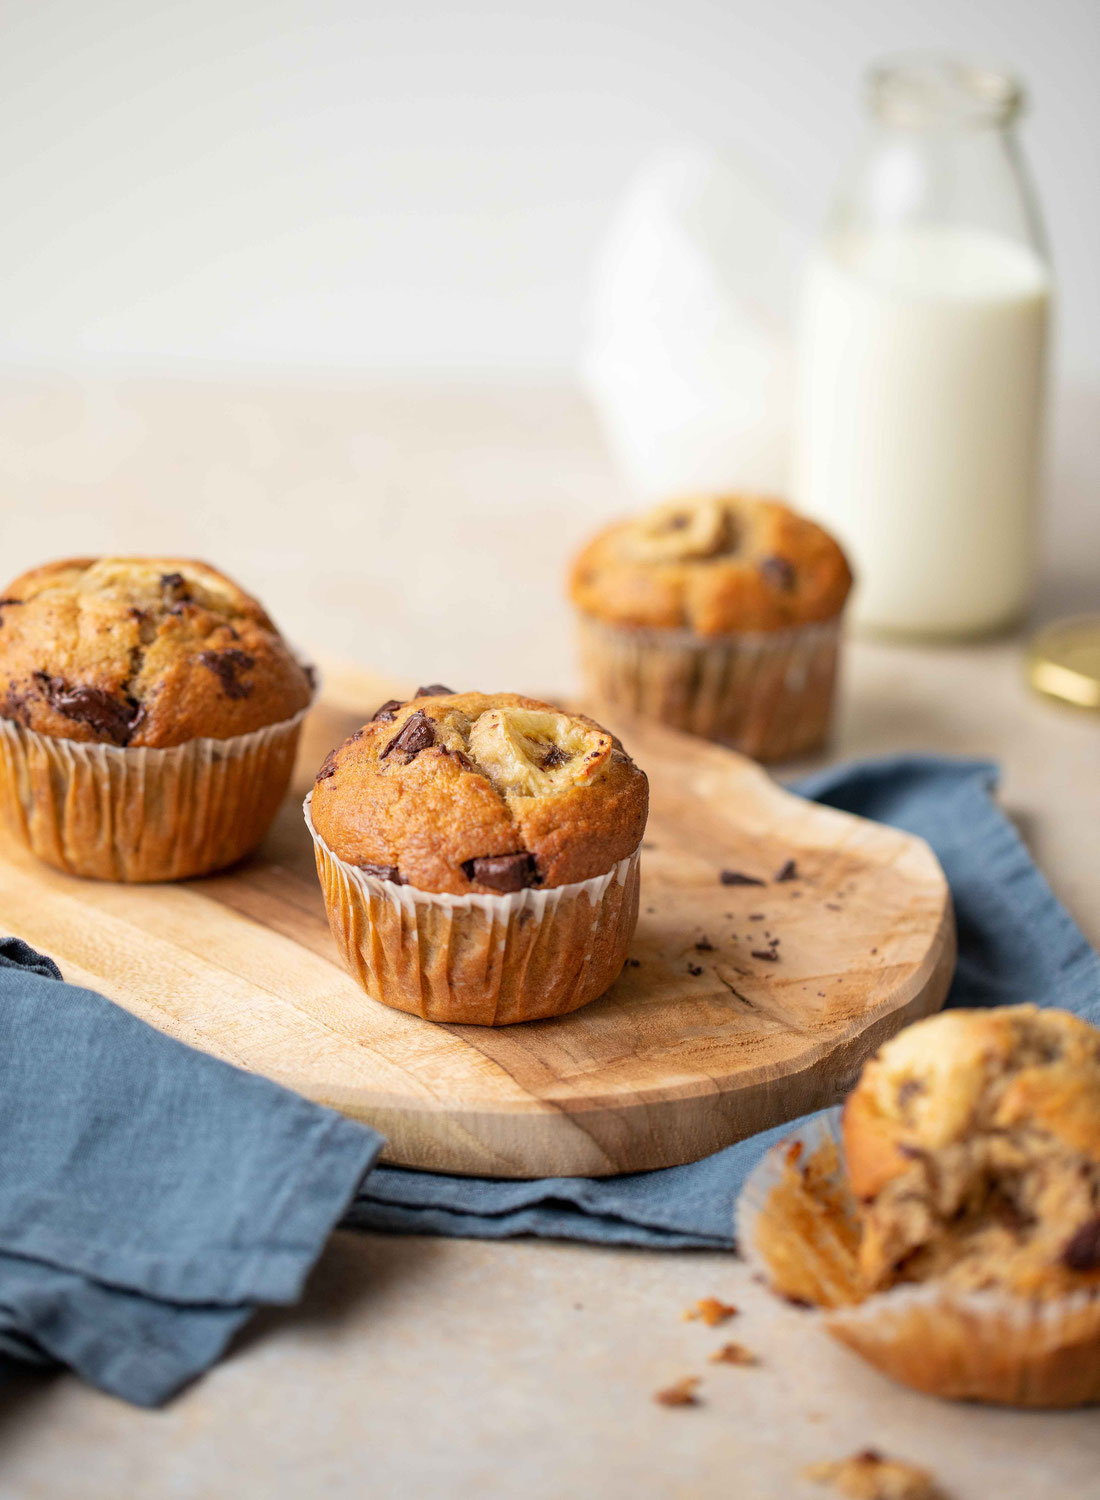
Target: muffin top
973, 1142
712, 566
141, 651
475, 792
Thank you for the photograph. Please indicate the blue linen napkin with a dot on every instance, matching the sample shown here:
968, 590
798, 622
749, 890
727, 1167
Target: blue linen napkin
1016, 944
150, 1196
161, 1194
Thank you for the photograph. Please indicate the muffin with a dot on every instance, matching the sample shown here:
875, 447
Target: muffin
961, 1237
479, 856
149, 717
719, 616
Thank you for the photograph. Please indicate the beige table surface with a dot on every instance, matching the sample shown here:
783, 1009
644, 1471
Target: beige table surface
423, 530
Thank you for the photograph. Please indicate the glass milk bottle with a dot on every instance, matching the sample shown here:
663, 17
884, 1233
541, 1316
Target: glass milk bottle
921, 356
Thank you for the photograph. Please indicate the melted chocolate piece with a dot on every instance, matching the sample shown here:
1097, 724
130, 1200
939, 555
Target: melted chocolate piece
779, 572
387, 712
328, 767
225, 666
555, 756
384, 872
908, 1090
176, 585
460, 755
416, 734
769, 955
787, 871
502, 872
114, 718
434, 690
1082, 1253
735, 877
14, 706
695, 969
704, 945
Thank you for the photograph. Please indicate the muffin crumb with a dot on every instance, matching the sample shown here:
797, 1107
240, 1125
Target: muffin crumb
734, 1354
710, 1311
871, 1476
681, 1393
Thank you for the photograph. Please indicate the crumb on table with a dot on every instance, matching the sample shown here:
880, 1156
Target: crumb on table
871, 1476
710, 1311
680, 1393
733, 1354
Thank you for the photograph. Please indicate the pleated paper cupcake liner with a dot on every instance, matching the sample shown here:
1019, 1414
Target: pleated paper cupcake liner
132, 813
768, 694
485, 960
967, 1345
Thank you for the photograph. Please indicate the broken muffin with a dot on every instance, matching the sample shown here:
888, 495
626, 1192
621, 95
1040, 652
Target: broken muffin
149, 716
955, 1242
479, 856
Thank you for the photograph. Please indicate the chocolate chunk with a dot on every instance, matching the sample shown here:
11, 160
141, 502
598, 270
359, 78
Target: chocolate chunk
908, 1090
387, 712
735, 877
1082, 1253
779, 572
434, 690
768, 955
502, 872
416, 734
384, 872
328, 767
14, 706
176, 585
695, 969
787, 871
704, 945
633, 963
115, 718
460, 755
225, 666
555, 756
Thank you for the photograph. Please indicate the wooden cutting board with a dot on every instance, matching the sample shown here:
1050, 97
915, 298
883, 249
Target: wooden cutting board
706, 1038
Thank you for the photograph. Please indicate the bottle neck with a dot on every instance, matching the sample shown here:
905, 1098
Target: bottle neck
943, 174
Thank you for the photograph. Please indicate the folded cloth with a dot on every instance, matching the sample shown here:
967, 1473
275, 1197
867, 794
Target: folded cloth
1016, 943
150, 1196
162, 1194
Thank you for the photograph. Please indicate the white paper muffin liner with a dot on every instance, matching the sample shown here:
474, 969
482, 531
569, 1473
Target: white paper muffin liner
483, 959
132, 813
768, 694
968, 1345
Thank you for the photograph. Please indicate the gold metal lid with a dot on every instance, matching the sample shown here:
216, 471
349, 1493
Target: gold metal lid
1064, 661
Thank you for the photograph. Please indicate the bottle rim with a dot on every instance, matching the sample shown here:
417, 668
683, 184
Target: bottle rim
923, 90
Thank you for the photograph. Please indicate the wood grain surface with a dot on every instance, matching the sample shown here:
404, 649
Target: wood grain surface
743, 1005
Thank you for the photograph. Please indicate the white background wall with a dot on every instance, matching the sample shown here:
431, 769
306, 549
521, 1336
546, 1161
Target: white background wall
403, 185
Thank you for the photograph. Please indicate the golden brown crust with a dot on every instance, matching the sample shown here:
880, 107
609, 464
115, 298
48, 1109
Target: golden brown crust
143, 652
478, 777
714, 566
973, 1142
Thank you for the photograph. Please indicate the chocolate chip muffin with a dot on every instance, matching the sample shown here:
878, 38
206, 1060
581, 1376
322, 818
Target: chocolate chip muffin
973, 1144
149, 715
719, 616
479, 856
954, 1242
